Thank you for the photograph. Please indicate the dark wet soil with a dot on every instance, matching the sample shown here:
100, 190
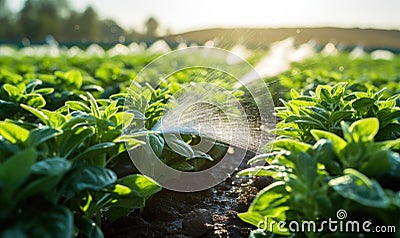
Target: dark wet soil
209, 213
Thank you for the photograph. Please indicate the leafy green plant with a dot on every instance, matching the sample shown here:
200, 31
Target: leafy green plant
63, 192
150, 105
328, 106
79, 144
313, 182
11, 96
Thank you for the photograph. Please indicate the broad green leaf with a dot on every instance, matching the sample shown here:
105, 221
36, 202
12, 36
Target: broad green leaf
16, 169
123, 118
359, 188
272, 196
95, 150
122, 190
317, 113
51, 167
77, 106
306, 120
156, 143
323, 92
218, 150
178, 146
341, 115
264, 223
378, 162
71, 139
40, 135
79, 119
39, 114
325, 154
56, 119
48, 222
338, 143
363, 103
74, 77
89, 177
182, 165
11, 90
389, 143
45, 186
141, 185
111, 110
13, 133
300, 103
292, 145
253, 218
364, 129
269, 205
306, 168
35, 100
44, 91
338, 89
130, 141
294, 94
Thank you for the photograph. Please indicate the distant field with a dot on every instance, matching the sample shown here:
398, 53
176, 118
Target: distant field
262, 37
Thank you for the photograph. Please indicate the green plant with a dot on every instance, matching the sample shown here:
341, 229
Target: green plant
63, 191
313, 182
66, 170
328, 106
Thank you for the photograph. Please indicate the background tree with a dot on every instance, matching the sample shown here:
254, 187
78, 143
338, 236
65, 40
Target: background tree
40, 18
89, 27
72, 27
5, 21
151, 26
110, 31
28, 21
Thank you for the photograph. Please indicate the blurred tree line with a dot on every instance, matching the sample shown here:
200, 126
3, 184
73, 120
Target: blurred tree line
40, 18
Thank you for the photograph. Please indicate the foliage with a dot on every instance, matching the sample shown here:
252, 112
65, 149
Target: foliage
337, 148
37, 19
62, 117
327, 106
59, 135
362, 74
313, 182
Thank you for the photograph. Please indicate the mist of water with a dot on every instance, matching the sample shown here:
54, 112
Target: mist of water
279, 58
209, 106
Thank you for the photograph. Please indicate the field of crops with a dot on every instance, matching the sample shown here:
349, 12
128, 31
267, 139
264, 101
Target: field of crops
65, 170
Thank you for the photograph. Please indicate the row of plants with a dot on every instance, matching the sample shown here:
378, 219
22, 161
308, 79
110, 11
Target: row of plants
363, 73
64, 166
61, 149
60, 140
337, 150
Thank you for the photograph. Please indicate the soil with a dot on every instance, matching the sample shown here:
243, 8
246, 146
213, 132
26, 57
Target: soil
209, 213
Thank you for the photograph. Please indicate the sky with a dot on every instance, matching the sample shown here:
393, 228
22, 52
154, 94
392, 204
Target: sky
185, 15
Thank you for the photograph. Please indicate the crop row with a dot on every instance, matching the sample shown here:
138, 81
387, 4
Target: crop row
62, 156
337, 151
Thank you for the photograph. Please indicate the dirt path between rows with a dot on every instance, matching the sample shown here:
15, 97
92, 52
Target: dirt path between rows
209, 213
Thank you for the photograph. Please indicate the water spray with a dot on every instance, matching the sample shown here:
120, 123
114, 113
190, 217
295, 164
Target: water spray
212, 107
